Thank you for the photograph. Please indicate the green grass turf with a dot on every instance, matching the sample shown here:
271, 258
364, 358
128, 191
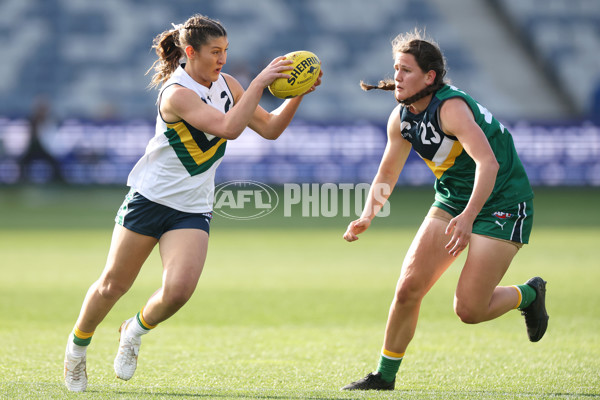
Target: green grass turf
286, 309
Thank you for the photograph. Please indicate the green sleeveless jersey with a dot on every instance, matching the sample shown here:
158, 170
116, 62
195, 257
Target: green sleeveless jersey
450, 163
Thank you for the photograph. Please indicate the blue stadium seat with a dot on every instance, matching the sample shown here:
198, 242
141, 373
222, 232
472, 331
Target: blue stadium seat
71, 39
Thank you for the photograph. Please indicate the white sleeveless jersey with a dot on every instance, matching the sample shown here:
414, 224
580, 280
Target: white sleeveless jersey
178, 167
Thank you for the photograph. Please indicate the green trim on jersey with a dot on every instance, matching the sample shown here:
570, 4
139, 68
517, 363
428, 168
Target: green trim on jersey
453, 167
195, 151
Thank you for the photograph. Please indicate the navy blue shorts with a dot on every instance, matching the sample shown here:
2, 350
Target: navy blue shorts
146, 217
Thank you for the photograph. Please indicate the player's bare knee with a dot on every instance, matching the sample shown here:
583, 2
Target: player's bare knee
177, 296
408, 292
467, 313
111, 289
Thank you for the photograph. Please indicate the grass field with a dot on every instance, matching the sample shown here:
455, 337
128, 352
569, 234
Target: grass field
286, 309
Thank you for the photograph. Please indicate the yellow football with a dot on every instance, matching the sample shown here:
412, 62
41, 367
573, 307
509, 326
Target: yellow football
307, 67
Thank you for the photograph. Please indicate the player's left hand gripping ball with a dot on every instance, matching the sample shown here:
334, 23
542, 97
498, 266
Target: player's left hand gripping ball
307, 68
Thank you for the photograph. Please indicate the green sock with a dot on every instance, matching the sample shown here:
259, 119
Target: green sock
388, 367
528, 295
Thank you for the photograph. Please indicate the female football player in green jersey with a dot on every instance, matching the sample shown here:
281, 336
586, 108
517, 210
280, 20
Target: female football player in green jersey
483, 200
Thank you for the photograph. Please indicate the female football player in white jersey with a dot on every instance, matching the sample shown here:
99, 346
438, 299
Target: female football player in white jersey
170, 201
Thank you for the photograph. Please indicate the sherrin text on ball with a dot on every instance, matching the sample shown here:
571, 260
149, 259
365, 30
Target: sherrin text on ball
307, 67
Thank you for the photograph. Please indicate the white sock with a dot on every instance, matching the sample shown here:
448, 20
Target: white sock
75, 349
135, 329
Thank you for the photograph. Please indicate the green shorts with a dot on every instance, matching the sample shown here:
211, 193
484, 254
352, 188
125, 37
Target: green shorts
512, 223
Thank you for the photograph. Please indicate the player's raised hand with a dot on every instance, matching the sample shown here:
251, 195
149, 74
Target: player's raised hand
317, 83
276, 69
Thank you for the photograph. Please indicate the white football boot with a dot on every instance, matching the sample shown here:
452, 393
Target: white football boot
75, 372
127, 356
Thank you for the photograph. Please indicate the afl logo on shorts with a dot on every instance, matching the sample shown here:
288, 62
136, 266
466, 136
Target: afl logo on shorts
502, 214
244, 200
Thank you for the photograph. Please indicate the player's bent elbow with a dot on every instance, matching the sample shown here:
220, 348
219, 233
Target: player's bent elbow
268, 130
230, 134
225, 128
271, 135
495, 165
491, 164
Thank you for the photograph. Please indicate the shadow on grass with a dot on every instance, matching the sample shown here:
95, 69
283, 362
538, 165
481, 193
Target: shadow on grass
209, 395
405, 394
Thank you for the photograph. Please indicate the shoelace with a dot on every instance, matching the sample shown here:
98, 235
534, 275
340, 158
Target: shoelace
76, 369
130, 349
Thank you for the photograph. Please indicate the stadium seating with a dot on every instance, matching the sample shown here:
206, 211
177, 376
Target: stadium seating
90, 58
565, 35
